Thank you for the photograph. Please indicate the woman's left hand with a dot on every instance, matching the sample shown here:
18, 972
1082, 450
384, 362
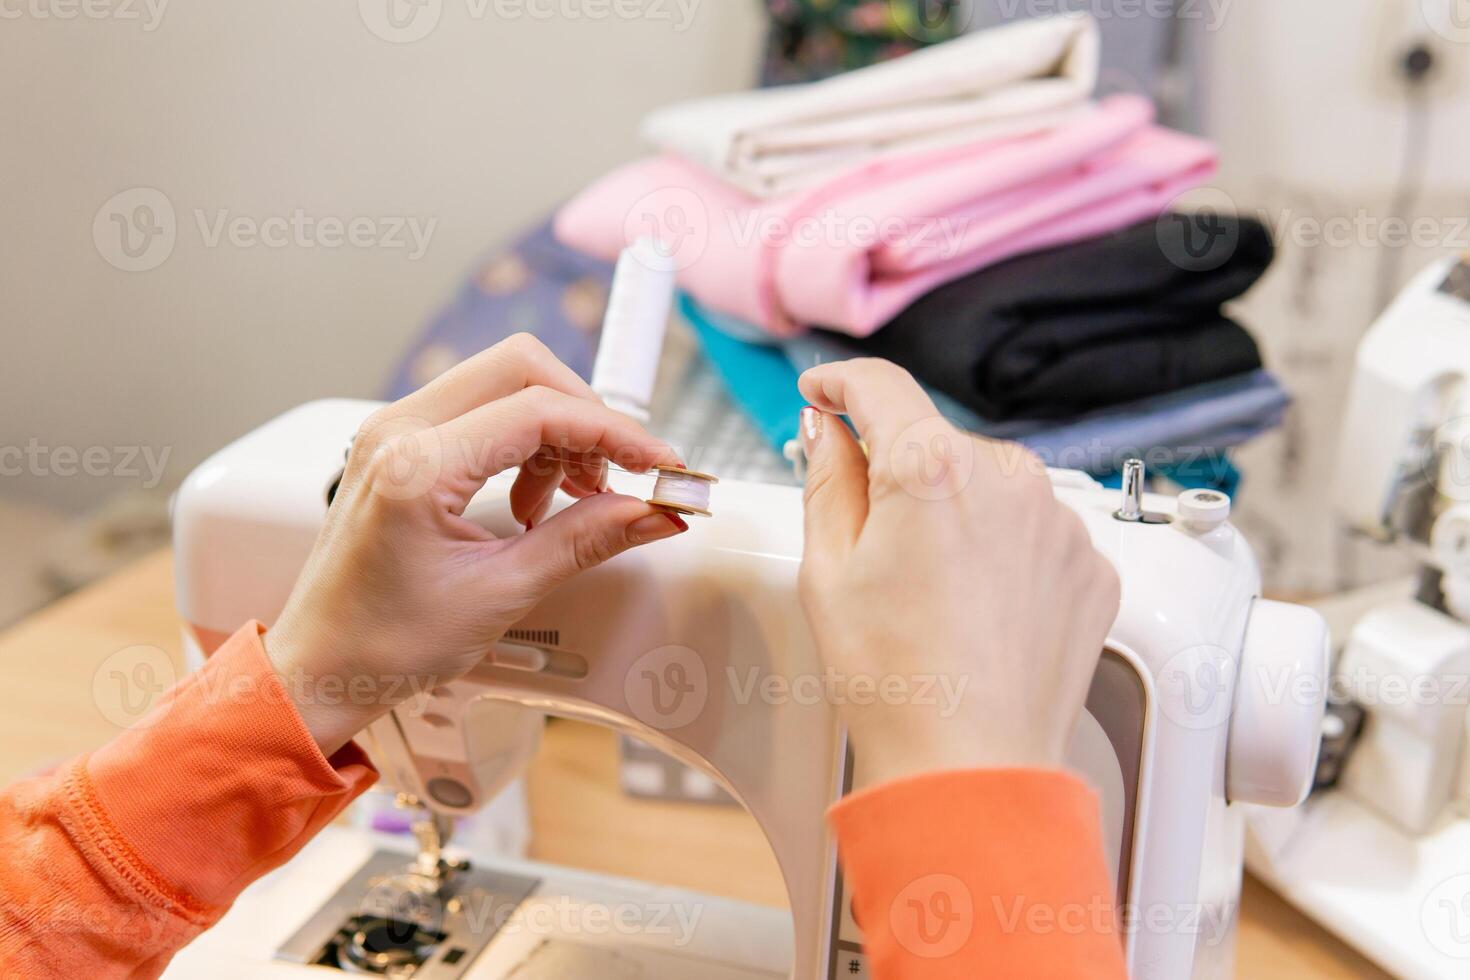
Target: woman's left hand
401, 591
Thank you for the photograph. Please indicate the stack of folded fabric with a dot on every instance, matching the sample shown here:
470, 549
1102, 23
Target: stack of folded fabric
971, 212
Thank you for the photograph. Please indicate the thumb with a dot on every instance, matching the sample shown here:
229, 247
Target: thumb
836, 499
585, 535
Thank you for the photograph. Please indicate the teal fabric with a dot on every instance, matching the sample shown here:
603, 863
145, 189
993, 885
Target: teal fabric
1183, 436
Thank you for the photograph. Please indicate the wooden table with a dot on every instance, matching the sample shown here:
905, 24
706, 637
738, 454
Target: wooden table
580, 817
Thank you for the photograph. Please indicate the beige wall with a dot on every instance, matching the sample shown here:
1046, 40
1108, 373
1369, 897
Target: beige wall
262, 109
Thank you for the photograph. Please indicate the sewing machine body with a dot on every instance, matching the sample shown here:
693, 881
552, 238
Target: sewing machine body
697, 645
1400, 799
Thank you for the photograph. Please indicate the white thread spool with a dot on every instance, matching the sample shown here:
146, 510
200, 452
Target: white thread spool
633, 329
681, 490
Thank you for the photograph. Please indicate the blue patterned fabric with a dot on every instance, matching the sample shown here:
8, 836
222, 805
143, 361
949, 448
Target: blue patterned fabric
534, 285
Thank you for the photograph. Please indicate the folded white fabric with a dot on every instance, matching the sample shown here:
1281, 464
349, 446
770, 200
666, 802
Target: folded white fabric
1022, 77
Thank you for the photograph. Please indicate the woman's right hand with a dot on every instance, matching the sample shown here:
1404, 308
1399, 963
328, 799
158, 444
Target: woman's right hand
943, 559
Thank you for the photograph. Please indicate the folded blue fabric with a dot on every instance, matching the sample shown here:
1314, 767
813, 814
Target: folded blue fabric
1184, 432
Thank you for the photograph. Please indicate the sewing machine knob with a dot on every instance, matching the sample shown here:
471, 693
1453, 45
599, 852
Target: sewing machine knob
450, 792
1276, 727
1203, 510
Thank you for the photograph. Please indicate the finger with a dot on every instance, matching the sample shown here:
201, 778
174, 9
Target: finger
881, 398
836, 498
507, 432
517, 362
586, 473
584, 536
535, 485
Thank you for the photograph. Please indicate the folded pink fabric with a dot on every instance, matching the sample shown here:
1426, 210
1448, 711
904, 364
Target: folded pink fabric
851, 254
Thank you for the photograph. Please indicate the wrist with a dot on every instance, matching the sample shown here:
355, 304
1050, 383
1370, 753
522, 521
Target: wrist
887, 749
326, 701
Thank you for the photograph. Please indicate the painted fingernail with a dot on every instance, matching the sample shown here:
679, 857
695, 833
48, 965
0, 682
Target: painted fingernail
811, 426
656, 527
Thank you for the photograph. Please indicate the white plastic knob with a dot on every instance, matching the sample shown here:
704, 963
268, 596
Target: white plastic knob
1203, 510
1281, 695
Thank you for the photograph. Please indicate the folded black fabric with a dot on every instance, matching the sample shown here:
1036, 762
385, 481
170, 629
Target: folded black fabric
1110, 320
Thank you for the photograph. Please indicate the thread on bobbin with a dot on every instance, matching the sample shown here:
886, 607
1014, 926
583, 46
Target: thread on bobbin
683, 491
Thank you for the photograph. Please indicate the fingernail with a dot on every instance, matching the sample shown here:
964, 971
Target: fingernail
602, 478
811, 426
656, 527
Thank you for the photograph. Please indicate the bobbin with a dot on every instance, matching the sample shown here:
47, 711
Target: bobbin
672, 480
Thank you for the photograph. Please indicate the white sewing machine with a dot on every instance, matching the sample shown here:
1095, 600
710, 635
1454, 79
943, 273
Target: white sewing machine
1207, 697
1395, 791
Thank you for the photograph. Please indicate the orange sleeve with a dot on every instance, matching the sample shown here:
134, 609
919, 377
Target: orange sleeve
119, 858
978, 874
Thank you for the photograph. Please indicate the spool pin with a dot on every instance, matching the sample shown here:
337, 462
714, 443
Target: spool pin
682, 491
